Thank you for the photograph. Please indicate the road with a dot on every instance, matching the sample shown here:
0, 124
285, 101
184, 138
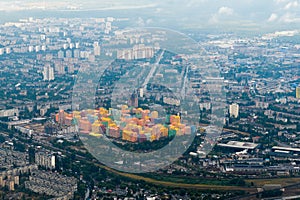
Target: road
87, 194
153, 69
185, 82
228, 130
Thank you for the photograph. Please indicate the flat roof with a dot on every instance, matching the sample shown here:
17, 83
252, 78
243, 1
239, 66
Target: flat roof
286, 148
239, 145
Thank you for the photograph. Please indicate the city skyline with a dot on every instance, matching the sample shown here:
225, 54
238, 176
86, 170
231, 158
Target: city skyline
231, 15
149, 100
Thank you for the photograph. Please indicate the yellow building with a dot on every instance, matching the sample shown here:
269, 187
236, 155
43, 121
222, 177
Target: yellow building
96, 127
298, 92
11, 186
154, 114
164, 131
234, 110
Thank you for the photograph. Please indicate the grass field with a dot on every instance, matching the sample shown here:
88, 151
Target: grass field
282, 181
179, 185
257, 182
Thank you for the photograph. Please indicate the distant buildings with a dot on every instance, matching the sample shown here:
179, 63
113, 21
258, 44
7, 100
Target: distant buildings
137, 52
97, 49
45, 159
298, 92
171, 101
48, 73
13, 164
52, 184
133, 100
141, 90
9, 113
239, 145
234, 110
10, 182
129, 124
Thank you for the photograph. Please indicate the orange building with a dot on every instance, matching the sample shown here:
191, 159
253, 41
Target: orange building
85, 126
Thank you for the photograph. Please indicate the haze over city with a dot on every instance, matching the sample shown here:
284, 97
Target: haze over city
150, 100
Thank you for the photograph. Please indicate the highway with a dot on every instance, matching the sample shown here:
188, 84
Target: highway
153, 69
185, 82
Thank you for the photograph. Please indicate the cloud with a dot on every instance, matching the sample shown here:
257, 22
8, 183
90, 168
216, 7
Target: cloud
192, 3
223, 14
140, 22
272, 17
290, 5
289, 18
33, 5
225, 11
280, 1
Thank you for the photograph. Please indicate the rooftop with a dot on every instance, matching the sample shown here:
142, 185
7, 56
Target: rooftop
239, 145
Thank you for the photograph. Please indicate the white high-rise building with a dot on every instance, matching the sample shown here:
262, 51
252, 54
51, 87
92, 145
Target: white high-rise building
30, 48
137, 52
65, 46
48, 73
45, 159
37, 48
43, 37
108, 26
43, 48
61, 54
8, 50
76, 53
97, 50
234, 110
141, 92
69, 54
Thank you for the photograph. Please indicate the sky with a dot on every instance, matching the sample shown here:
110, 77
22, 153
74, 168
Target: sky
202, 13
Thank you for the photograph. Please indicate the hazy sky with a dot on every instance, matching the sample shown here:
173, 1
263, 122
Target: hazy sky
198, 12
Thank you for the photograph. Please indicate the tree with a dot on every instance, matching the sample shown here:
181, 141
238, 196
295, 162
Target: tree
2, 139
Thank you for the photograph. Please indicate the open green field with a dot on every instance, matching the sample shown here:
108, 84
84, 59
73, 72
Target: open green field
179, 185
282, 181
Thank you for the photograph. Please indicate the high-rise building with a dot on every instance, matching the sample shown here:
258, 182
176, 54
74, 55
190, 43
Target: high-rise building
141, 92
11, 186
97, 49
76, 53
43, 48
234, 110
43, 111
60, 68
71, 68
8, 50
17, 180
108, 27
48, 73
61, 54
45, 159
30, 48
69, 54
298, 92
65, 46
2, 182
37, 48
133, 100
137, 52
